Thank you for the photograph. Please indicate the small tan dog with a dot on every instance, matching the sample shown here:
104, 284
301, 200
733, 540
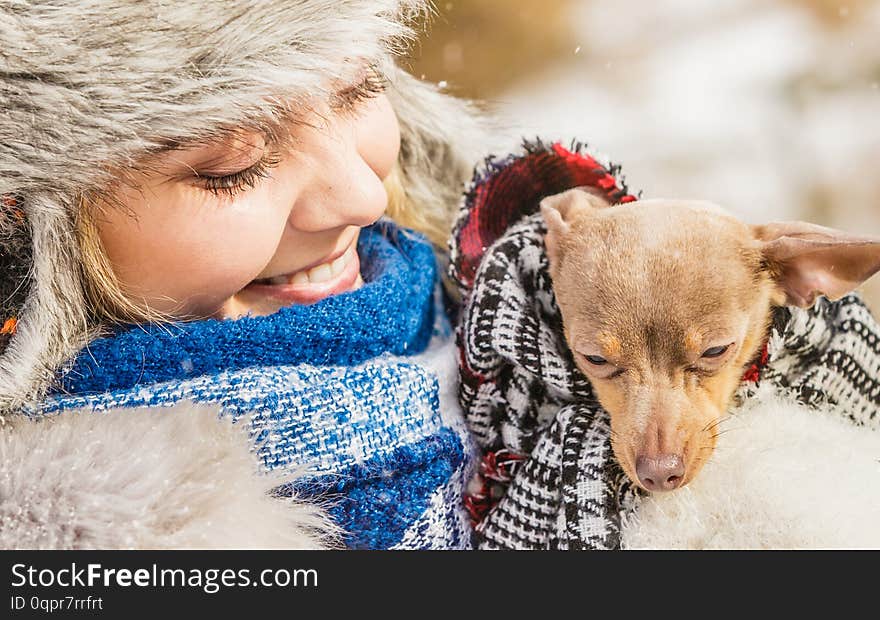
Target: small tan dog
666, 302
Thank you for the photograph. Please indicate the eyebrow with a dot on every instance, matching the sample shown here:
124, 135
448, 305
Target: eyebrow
216, 152
224, 138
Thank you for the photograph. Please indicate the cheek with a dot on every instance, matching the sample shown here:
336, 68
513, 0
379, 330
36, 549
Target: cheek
189, 251
612, 397
624, 431
700, 426
625, 428
719, 389
701, 405
378, 135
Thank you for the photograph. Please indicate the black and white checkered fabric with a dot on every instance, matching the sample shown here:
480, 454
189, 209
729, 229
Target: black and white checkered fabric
829, 357
522, 392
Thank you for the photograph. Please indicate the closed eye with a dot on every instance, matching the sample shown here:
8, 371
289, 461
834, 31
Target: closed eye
715, 351
599, 367
372, 85
245, 179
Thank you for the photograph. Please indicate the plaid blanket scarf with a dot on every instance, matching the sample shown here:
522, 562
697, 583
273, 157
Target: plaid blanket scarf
548, 478
359, 389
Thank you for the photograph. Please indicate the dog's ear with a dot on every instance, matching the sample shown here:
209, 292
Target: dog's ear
809, 260
561, 210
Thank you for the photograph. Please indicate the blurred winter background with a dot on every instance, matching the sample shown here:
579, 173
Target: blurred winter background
768, 107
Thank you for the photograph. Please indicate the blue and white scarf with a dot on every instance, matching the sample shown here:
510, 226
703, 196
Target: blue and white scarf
360, 389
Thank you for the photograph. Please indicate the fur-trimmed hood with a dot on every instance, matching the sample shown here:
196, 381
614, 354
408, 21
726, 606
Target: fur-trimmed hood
111, 79
87, 86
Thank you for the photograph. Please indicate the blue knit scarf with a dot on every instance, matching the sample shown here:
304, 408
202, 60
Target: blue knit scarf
351, 387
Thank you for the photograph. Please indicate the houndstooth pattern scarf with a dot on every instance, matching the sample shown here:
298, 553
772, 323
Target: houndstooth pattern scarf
549, 478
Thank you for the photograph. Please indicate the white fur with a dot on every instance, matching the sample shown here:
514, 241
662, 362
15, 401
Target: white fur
782, 477
176, 478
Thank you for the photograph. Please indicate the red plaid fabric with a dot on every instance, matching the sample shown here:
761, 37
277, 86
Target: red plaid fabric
514, 187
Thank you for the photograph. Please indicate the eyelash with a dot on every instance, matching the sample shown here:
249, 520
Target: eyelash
371, 86
231, 184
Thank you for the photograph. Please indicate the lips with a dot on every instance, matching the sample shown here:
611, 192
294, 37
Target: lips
308, 286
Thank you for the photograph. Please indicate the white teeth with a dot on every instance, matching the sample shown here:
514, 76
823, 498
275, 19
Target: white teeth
300, 277
321, 273
338, 265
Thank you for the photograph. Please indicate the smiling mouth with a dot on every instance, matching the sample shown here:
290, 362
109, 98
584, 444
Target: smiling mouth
325, 272
308, 286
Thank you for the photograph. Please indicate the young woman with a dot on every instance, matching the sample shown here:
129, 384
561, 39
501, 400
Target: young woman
192, 195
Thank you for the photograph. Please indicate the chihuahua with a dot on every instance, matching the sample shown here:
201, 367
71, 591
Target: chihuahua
666, 302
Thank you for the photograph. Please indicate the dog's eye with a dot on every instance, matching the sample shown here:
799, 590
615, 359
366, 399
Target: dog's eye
596, 360
716, 351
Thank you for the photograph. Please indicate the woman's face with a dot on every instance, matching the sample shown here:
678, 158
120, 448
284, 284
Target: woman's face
235, 228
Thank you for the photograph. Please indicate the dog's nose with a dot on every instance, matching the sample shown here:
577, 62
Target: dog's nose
663, 473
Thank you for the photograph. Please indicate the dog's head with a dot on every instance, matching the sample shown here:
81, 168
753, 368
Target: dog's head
665, 303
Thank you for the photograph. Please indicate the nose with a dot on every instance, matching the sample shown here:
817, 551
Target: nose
662, 473
348, 159
345, 192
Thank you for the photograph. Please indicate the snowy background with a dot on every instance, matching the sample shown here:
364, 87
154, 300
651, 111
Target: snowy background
768, 107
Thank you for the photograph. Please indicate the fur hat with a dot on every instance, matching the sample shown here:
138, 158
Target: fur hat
90, 84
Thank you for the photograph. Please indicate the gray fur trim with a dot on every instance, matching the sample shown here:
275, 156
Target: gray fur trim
85, 82
53, 322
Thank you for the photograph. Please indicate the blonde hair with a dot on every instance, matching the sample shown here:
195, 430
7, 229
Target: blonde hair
108, 301
105, 295
424, 218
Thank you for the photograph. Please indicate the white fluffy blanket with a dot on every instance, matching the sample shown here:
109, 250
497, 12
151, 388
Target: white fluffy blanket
783, 477
74, 481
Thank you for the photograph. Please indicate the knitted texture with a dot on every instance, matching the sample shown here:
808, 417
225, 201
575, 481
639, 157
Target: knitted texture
358, 390
395, 314
829, 357
523, 395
